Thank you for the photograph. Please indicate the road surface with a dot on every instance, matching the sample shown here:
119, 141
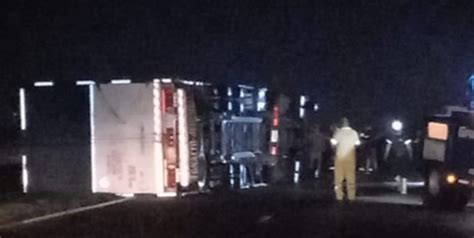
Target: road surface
264, 212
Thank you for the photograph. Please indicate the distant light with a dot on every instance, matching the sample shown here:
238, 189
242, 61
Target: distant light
24, 173
215, 91
166, 80
22, 109
229, 91
44, 84
357, 143
451, 178
316, 107
229, 106
388, 141
242, 107
121, 81
245, 86
407, 142
84, 82
397, 125
333, 142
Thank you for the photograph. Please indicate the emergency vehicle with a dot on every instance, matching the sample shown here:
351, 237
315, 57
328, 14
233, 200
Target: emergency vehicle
448, 155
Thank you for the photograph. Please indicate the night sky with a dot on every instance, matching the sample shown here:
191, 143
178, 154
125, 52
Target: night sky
365, 59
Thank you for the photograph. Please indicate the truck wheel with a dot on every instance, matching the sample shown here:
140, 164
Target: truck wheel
433, 188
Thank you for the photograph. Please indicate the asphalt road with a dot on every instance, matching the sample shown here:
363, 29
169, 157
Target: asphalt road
266, 212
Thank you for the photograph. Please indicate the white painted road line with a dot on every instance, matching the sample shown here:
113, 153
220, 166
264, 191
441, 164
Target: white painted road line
63, 213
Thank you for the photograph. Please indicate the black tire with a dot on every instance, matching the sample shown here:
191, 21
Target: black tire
440, 196
433, 188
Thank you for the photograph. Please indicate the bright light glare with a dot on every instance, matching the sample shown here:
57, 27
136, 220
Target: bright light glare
166, 80
121, 81
397, 125
407, 142
451, 178
388, 141
44, 84
24, 173
229, 91
229, 106
333, 141
22, 109
183, 139
316, 107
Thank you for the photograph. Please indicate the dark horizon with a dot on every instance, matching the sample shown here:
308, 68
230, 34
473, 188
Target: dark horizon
366, 60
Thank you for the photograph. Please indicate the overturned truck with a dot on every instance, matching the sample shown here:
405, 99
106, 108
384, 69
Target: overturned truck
162, 137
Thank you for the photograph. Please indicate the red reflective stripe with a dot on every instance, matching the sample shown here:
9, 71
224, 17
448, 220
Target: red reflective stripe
276, 116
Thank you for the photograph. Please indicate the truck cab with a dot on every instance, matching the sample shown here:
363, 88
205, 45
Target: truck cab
448, 158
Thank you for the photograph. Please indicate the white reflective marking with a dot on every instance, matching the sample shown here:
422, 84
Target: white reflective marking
188, 82
24, 173
22, 109
167, 194
84, 82
158, 144
303, 100
126, 195
261, 106
183, 139
121, 81
92, 132
44, 84
61, 214
245, 86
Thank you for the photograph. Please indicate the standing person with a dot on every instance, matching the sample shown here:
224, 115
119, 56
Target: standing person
345, 141
315, 149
